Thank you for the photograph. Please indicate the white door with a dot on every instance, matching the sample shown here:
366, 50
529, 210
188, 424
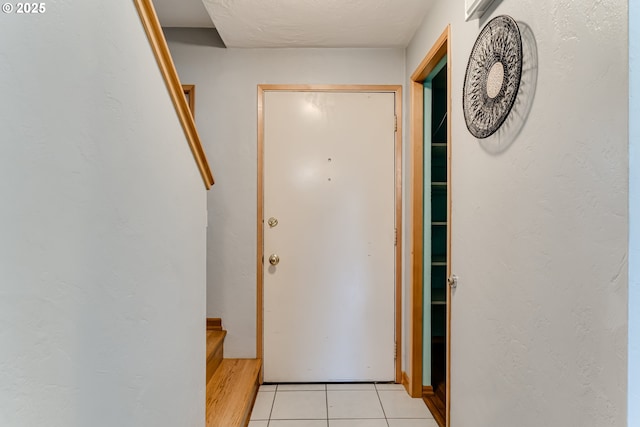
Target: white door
329, 181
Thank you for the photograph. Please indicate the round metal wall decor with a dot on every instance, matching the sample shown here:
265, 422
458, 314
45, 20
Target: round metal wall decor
493, 74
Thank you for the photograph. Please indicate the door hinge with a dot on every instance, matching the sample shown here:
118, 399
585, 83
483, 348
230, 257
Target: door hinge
395, 351
395, 237
395, 123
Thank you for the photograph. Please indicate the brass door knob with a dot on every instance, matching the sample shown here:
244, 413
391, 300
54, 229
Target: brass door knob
274, 259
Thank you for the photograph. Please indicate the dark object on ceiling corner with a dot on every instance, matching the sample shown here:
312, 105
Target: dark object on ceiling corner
195, 36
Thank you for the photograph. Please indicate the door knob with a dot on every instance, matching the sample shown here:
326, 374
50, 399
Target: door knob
453, 281
274, 259
272, 222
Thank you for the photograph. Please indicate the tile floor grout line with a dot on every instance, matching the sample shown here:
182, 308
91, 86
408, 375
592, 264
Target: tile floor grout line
327, 419
326, 399
386, 420
273, 403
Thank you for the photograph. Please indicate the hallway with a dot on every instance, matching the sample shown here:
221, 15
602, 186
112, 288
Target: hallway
338, 405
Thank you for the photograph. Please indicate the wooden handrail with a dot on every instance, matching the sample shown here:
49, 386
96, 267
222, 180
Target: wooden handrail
168, 70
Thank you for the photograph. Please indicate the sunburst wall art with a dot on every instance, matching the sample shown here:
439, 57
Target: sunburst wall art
493, 74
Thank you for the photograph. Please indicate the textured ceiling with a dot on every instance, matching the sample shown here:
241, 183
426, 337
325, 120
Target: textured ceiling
316, 23
182, 13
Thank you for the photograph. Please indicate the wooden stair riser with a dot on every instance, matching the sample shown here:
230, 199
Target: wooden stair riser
214, 362
215, 352
214, 324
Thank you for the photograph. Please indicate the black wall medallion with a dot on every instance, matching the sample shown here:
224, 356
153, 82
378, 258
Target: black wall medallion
493, 74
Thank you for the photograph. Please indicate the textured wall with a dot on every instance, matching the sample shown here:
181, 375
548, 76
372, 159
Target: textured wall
540, 229
102, 247
226, 113
634, 214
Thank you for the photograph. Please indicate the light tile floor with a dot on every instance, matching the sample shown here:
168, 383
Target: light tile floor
338, 405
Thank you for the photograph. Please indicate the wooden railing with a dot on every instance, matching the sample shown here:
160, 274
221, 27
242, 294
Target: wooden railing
167, 69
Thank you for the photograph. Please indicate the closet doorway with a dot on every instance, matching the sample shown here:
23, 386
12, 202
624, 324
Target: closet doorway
431, 231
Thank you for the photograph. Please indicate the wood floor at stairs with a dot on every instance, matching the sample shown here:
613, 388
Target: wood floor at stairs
231, 392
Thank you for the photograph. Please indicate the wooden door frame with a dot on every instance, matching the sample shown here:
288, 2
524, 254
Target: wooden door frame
441, 48
397, 91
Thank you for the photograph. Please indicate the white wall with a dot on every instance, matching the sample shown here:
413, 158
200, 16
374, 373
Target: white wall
540, 230
102, 247
226, 114
634, 214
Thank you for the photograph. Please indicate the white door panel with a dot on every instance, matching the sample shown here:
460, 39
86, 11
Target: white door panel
329, 180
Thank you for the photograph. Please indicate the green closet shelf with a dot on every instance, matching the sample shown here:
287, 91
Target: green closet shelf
438, 296
439, 260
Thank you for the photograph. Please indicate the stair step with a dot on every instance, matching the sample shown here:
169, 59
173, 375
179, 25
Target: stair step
231, 393
215, 340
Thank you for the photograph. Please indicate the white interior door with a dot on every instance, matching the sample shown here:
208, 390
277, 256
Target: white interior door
329, 181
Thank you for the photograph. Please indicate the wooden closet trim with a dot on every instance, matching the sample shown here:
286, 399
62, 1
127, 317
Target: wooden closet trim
441, 47
161, 52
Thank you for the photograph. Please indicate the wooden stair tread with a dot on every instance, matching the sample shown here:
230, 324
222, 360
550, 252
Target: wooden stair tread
231, 392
